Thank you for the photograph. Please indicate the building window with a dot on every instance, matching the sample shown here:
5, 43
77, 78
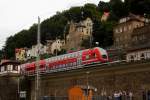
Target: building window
2, 69
142, 56
87, 24
9, 67
136, 38
120, 29
132, 58
5, 68
125, 28
129, 27
15, 67
87, 31
82, 29
82, 38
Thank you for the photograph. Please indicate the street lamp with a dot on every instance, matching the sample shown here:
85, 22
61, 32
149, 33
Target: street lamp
97, 43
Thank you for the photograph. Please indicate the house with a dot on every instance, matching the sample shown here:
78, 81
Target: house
57, 46
140, 44
77, 33
124, 30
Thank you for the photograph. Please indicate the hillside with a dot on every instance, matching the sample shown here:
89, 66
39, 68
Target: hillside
56, 25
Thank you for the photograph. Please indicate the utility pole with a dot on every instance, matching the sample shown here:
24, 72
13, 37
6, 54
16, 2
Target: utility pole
37, 78
91, 36
87, 84
91, 40
56, 47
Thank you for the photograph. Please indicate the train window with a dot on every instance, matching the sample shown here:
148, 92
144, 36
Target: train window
54, 59
51, 59
104, 56
76, 54
93, 55
87, 57
65, 57
70, 55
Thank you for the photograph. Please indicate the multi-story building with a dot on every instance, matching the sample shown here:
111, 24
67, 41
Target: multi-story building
123, 31
77, 33
140, 44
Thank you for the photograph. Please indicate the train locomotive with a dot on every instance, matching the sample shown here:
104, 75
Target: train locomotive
67, 61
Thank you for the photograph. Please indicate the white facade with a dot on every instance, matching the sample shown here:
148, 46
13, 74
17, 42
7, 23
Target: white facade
138, 55
9, 68
34, 51
57, 45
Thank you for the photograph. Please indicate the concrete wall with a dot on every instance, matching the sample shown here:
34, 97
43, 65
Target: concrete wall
128, 77
8, 88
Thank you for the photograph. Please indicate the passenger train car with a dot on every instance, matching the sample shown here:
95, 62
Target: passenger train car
67, 61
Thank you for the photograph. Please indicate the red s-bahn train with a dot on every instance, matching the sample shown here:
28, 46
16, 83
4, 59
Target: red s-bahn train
67, 61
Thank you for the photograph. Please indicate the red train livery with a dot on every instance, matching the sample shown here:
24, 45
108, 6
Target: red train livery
67, 61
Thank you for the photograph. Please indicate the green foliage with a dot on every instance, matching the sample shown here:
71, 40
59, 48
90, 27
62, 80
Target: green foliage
104, 6
102, 33
119, 8
138, 6
53, 27
1, 54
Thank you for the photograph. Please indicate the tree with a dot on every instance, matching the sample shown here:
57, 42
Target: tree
119, 8
138, 6
86, 43
104, 6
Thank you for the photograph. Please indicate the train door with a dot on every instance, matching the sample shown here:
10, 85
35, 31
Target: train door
79, 58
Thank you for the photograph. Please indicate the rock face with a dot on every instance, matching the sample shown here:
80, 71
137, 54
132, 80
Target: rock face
129, 78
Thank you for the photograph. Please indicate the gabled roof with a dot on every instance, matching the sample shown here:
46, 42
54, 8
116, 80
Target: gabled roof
131, 17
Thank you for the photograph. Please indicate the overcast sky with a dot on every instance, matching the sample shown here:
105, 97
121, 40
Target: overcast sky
17, 15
